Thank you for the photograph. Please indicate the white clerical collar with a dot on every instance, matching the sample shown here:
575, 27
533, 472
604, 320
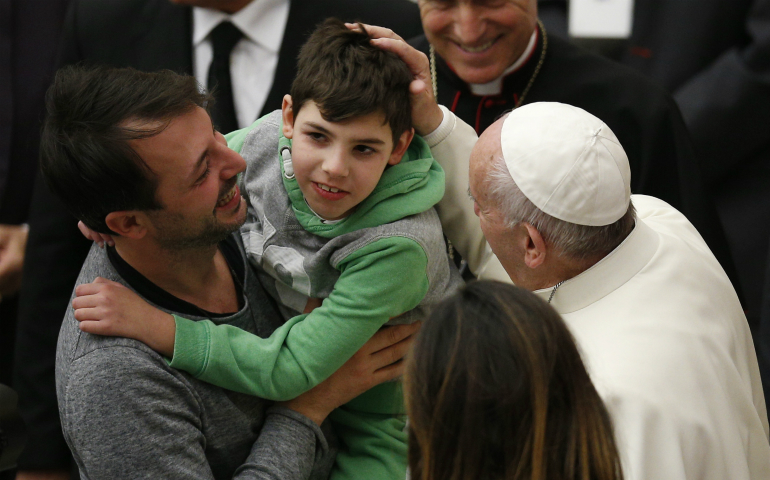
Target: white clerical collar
261, 21
608, 274
496, 86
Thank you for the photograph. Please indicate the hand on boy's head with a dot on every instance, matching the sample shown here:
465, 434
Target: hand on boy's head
99, 238
104, 307
426, 116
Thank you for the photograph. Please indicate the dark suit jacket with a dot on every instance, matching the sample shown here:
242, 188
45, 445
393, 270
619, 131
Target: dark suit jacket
29, 34
28, 43
148, 35
714, 56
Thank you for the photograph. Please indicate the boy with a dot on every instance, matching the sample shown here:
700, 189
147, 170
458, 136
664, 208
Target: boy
349, 221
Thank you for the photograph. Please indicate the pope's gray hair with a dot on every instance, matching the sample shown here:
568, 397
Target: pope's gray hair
578, 242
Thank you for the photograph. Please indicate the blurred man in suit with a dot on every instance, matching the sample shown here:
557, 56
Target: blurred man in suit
29, 34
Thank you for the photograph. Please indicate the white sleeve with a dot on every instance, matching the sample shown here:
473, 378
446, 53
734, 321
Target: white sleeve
451, 144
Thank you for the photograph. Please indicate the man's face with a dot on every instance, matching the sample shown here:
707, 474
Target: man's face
502, 238
479, 38
196, 174
338, 164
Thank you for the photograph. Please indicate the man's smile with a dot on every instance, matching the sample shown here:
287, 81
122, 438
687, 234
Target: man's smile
231, 197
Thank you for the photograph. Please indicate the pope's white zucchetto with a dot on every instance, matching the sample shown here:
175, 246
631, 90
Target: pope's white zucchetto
567, 162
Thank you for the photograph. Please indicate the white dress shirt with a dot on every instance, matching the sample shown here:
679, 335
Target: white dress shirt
254, 58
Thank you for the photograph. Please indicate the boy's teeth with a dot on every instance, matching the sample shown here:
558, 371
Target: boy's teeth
328, 188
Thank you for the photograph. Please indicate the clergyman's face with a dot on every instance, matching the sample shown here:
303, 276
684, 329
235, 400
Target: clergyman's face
479, 38
196, 174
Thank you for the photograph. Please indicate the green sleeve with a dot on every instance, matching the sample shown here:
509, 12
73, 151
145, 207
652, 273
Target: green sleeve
382, 280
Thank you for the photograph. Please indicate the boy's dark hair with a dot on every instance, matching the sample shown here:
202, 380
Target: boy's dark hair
93, 112
346, 76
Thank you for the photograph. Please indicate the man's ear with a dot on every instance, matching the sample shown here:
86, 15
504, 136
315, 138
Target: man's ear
399, 149
287, 113
129, 224
535, 249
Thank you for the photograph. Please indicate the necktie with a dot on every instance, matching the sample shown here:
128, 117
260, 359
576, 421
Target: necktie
223, 39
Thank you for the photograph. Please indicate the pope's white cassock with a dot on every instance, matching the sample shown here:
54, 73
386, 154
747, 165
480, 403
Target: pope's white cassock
661, 332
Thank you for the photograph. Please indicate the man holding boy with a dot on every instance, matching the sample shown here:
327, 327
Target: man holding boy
151, 35
340, 198
135, 154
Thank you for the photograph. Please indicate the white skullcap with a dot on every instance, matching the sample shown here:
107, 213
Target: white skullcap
567, 162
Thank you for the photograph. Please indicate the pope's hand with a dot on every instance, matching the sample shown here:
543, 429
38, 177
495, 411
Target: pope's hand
426, 115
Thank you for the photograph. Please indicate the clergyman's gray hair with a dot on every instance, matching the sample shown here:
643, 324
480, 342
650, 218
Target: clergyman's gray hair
575, 241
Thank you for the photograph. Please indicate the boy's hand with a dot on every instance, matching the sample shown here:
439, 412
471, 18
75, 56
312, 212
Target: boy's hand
426, 116
378, 361
99, 238
105, 307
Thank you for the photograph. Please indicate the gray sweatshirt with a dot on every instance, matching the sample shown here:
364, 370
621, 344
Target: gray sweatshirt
126, 414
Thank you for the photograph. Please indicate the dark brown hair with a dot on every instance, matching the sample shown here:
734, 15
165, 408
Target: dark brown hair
346, 76
496, 390
93, 113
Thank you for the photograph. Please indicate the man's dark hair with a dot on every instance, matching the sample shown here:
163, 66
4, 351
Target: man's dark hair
93, 113
347, 77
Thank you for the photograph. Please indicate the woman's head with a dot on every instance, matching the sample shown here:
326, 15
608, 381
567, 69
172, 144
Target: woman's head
496, 389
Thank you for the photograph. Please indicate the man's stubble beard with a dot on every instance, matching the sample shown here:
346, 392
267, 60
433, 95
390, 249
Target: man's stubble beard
177, 235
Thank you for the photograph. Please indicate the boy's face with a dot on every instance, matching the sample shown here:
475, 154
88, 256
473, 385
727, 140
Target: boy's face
338, 164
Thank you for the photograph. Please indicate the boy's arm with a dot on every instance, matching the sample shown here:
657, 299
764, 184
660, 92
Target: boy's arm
120, 405
382, 280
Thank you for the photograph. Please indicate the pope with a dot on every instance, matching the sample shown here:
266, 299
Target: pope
660, 327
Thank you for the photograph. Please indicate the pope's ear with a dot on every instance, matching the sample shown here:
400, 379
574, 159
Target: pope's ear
535, 249
128, 224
